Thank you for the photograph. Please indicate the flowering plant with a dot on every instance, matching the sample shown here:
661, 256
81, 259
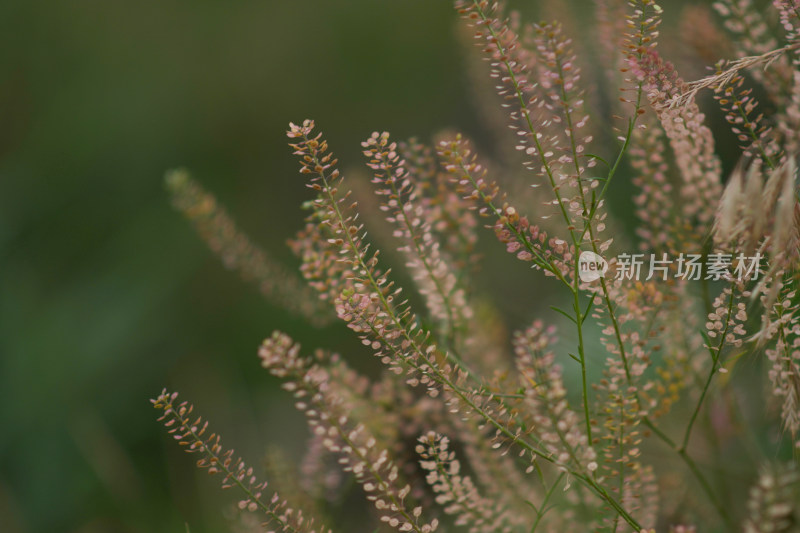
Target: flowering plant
463, 431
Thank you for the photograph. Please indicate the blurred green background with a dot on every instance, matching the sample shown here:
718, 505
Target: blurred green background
107, 294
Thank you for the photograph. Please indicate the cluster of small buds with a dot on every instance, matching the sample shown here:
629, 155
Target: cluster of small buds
682, 347
560, 76
739, 107
321, 265
627, 393
402, 202
498, 474
640, 39
748, 25
619, 438
500, 41
638, 303
690, 139
190, 432
367, 302
238, 252
456, 492
356, 447
710, 43
554, 422
623, 392
335, 209
389, 411
581, 210
784, 356
380, 329
773, 500
754, 37
493, 416
281, 356
726, 322
528, 242
313, 150
469, 175
788, 120
380, 479
331, 207
451, 217
641, 492
789, 15
546, 116
390, 329
788, 114
659, 228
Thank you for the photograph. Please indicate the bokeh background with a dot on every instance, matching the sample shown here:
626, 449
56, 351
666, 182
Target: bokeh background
107, 295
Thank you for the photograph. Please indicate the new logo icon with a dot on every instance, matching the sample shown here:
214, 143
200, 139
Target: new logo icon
591, 266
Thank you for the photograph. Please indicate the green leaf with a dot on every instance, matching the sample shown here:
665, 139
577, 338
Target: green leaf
571, 318
532, 506
588, 310
594, 156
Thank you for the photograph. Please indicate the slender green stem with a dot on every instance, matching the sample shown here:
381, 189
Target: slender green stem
706, 295
579, 319
523, 106
715, 357
719, 468
620, 451
687, 434
542, 509
582, 357
660, 434
570, 227
686, 458
492, 394
588, 224
682, 448
723, 512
